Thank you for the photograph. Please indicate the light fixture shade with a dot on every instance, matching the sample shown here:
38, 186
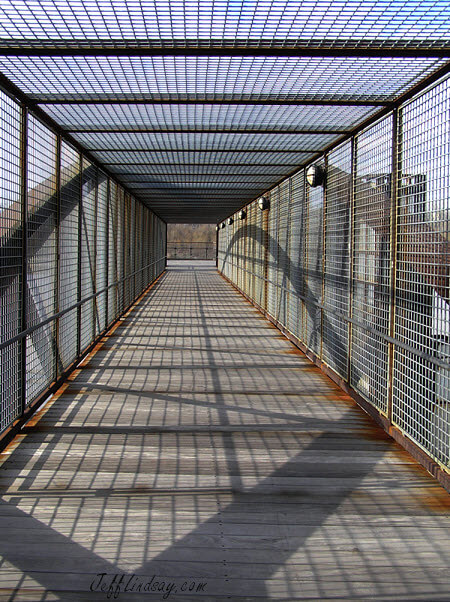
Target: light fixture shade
230, 221
217, 228
263, 203
242, 214
315, 175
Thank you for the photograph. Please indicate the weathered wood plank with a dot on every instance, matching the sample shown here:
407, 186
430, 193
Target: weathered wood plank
199, 444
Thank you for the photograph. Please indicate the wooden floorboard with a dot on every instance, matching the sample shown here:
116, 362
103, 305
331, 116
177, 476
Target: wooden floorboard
198, 450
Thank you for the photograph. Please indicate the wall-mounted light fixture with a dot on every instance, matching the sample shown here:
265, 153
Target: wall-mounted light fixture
230, 221
217, 228
315, 175
242, 214
263, 203
222, 225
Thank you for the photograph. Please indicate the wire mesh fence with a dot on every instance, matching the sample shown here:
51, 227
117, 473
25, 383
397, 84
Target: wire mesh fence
71, 255
358, 269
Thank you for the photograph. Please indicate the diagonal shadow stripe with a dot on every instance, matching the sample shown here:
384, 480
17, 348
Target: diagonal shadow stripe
87, 564
237, 559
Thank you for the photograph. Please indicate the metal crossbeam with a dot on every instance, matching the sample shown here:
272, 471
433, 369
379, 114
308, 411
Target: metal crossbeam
191, 130
152, 99
200, 48
204, 150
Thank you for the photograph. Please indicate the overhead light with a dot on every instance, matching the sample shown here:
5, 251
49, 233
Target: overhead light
230, 221
242, 214
263, 203
315, 175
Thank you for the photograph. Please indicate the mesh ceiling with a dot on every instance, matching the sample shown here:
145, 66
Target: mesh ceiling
132, 23
198, 107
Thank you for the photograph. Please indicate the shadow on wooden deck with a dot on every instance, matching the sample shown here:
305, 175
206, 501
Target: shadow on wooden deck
193, 450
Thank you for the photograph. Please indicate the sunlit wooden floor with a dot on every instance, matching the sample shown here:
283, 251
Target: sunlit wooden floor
198, 455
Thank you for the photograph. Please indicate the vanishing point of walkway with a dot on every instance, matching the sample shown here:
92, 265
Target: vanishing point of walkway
198, 455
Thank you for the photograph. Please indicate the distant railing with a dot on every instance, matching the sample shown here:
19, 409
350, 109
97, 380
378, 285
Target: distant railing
191, 250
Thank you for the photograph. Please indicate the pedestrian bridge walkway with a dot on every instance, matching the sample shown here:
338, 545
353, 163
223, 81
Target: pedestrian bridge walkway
198, 455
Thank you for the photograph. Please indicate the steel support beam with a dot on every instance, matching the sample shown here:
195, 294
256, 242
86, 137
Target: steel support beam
200, 175
152, 99
192, 164
235, 130
230, 48
24, 269
203, 150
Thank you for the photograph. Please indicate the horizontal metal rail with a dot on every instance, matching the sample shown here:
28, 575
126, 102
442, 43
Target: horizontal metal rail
396, 342
24, 333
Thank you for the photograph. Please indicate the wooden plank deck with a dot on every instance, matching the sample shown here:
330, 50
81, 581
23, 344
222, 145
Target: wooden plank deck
198, 449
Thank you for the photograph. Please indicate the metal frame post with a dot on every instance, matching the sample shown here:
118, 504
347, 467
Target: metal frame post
396, 133
95, 317
351, 255
80, 248
324, 249
58, 366
24, 283
108, 192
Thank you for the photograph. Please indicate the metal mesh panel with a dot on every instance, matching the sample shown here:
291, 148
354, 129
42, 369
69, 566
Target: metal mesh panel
88, 228
112, 251
161, 246
283, 268
297, 254
144, 252
421, 388
237, 247
120, 245
252, 25
228, 256
272, 261
353, 277
132, 247
337, 259
249, 248
126, 250
162, 234
212, 116
314, 268
240, 224
11, 236
149, 237
371, 276
253, 260
233, 244
68, 255
138, 251
153, 247
260, 242
41, 256
101, 251
121, 75
205, 158
138, 77
59, 224
224, 250
156, 246
144, 248
244, 254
